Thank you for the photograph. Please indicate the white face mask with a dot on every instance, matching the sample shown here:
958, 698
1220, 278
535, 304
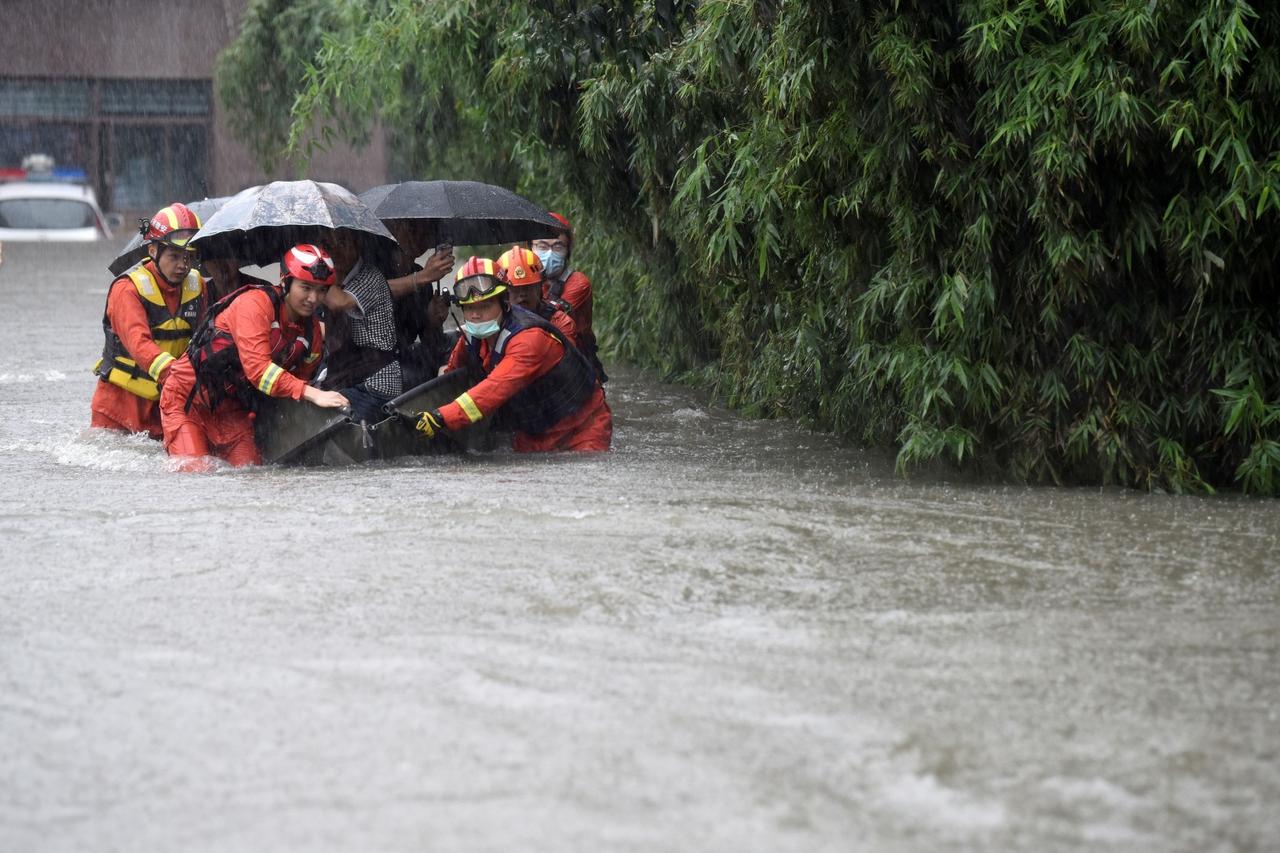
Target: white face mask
487, 329
552, 262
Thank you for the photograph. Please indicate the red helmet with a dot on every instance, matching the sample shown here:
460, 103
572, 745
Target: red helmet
522, 266
479, 279
173, 226
565, 222
308, 262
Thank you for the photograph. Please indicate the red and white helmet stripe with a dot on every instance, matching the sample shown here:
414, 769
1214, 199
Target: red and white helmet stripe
308, 262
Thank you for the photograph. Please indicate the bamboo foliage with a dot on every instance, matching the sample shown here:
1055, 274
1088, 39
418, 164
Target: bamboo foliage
1036, 237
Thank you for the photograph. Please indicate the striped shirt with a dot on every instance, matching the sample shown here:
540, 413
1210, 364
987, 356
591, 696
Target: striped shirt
373, 324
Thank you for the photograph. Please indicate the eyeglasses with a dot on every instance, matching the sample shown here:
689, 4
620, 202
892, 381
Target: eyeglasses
475, 287
550, 245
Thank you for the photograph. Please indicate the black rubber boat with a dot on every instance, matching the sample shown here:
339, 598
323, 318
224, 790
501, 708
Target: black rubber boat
297, 433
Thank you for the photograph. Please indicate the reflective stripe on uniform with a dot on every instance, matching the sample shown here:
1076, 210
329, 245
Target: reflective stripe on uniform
192, 286
145, 284
269, 377
160, 363
469, 408
149, 289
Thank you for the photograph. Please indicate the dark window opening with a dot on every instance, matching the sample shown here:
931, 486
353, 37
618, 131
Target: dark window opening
142, 143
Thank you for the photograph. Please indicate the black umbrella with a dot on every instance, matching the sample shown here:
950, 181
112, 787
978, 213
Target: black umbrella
462, 212
258, 225
136, 249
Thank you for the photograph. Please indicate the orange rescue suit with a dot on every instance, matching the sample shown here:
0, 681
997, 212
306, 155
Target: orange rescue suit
113, 406
528, 356
227, 429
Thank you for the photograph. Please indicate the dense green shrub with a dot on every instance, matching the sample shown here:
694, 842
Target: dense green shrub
1031, 237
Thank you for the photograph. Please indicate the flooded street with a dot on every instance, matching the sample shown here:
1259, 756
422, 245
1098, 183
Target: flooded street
725, 635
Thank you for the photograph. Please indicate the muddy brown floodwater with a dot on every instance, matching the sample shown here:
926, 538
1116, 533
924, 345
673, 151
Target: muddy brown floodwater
725, 635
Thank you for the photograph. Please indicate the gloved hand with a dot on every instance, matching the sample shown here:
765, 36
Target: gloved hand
430, 423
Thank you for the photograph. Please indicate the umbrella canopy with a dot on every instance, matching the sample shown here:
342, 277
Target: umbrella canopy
136, 249
462, 212
259, 224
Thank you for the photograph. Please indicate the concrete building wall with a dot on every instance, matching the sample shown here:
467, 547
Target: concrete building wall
142, 39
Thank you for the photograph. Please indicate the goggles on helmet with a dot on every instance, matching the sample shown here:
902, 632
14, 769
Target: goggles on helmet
477, 288
178, 240
478, 279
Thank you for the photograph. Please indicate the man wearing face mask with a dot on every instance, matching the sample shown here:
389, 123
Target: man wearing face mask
545, 387
522, 270
151, 312
568, 289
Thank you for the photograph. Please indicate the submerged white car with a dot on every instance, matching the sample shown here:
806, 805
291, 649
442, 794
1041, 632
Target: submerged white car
34, 211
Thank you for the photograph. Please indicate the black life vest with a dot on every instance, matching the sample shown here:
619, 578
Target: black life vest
171, 332
587, 340
217, 363
555, 290
547, 310
550, 398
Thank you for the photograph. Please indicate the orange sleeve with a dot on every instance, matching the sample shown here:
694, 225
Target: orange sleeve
529, 355
577, 290
562, 321
458, 356
129, 321
249, 319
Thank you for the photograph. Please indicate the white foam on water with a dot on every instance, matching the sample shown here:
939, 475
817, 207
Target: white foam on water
924, 798
1105, 809
689, 415
1097, 790
28, 378
103, 450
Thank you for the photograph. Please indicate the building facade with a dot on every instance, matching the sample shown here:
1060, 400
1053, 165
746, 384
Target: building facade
123, 90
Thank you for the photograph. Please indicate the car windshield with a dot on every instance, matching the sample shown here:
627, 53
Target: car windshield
50, 213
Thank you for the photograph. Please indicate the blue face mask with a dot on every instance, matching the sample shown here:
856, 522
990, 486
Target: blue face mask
552, 263
487, 329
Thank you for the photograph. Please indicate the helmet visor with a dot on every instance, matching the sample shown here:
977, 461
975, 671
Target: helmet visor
476, 288
178, 239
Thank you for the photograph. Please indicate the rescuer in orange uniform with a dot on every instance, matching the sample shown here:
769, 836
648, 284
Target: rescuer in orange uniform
522, 269
258, 340
568, 288
544, 385
152, 310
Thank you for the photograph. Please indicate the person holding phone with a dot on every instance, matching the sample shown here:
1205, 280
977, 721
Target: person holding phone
421, 307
